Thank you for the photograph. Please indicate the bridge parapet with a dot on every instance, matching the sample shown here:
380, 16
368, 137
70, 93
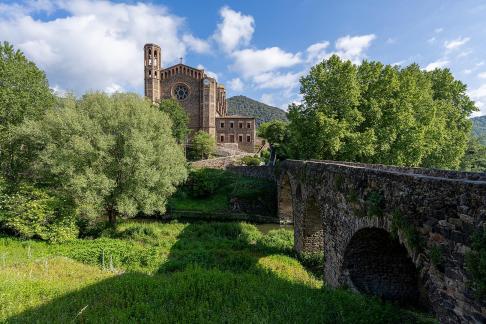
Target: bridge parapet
399, 233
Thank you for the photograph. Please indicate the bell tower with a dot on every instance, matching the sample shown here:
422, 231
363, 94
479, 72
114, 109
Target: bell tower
151, 61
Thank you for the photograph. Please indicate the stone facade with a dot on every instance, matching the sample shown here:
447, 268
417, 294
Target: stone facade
398, 233
201, 96
236, 129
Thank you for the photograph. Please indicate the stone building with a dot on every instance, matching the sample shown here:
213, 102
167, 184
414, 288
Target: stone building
201, 96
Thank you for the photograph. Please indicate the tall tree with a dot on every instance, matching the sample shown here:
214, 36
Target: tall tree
179, 118
202, 145
112, 155
277, 135
381, 114
24, 94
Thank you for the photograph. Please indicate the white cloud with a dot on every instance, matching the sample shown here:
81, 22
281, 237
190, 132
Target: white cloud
391, 40
479, 96
399, 63
267, 98
464, 53
431, 40
352, 47
438, 30
456, 43
440, 63
273, 80
467, 71
235, 30
209, 73
95, 44
482, 75
480, 64
250, 62
317, 52
236, 85
196, 44
112, 88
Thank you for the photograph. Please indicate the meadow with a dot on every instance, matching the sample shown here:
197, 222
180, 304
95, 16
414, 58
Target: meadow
173, 272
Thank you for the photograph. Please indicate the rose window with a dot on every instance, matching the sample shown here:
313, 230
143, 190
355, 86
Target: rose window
181, 92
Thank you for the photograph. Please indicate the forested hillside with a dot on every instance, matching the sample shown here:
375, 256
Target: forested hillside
241, 105
479, 128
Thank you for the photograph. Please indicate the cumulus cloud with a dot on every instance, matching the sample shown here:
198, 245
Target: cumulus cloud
95, 44
234, 30
482, 75
317, 52
456, 43
209, 73
195, 44
251, 62
440, 63
267, 98
236, 85
479, 97
353, 47
277, 80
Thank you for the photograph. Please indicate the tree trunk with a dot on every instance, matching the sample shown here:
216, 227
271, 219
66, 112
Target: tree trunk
112, 216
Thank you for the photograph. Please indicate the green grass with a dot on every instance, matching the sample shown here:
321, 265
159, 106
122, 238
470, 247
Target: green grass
184, 273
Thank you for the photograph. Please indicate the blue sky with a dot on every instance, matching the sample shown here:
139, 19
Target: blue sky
256, 48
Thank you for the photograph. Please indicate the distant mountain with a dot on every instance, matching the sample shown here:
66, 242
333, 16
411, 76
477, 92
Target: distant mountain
244, 106
479, 128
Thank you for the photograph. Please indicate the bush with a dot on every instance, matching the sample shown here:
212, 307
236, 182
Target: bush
203, 146
31, 212
251, 160
204, 182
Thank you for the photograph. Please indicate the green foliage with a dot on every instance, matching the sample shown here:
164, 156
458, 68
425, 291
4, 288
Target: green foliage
204, 182
112, 155
479, 128
277, 134
410, 233
374, 203
34, 213
203, 145
277, 241
251, 160
381, 114
475, 157
436, 255
476, 263
218, 187
244, 106
179, 118
24, 94
314, 261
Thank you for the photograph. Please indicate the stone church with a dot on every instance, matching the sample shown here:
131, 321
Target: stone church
201, 96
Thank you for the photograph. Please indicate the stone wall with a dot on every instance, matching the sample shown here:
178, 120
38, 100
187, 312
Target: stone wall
219, 163
380, 227
261, 172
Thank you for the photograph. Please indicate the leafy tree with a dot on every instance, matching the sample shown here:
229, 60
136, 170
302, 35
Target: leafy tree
112, 155
179, 118
381, 114
277, 135
24, 93
203, 145
31, 212
475, 157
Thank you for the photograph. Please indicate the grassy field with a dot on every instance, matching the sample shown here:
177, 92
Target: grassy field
184, 273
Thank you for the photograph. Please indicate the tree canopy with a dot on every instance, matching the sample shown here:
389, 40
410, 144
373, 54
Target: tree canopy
379, 113
112, 155
277, 134
179, 118
24, 93
202, 145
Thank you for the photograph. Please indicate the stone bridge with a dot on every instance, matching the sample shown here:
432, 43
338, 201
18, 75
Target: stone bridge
399, 233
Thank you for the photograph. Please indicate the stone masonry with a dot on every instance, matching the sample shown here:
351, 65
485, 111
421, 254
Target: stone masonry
398, 233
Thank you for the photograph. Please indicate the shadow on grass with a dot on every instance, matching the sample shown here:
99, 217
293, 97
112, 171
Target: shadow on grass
216, 273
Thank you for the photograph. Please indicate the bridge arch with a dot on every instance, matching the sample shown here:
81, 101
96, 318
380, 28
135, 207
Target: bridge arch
375, 263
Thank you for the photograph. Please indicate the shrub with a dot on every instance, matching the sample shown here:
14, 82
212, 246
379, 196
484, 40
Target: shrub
204, 182
31, 212
476, 263
202, 146
251, 160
